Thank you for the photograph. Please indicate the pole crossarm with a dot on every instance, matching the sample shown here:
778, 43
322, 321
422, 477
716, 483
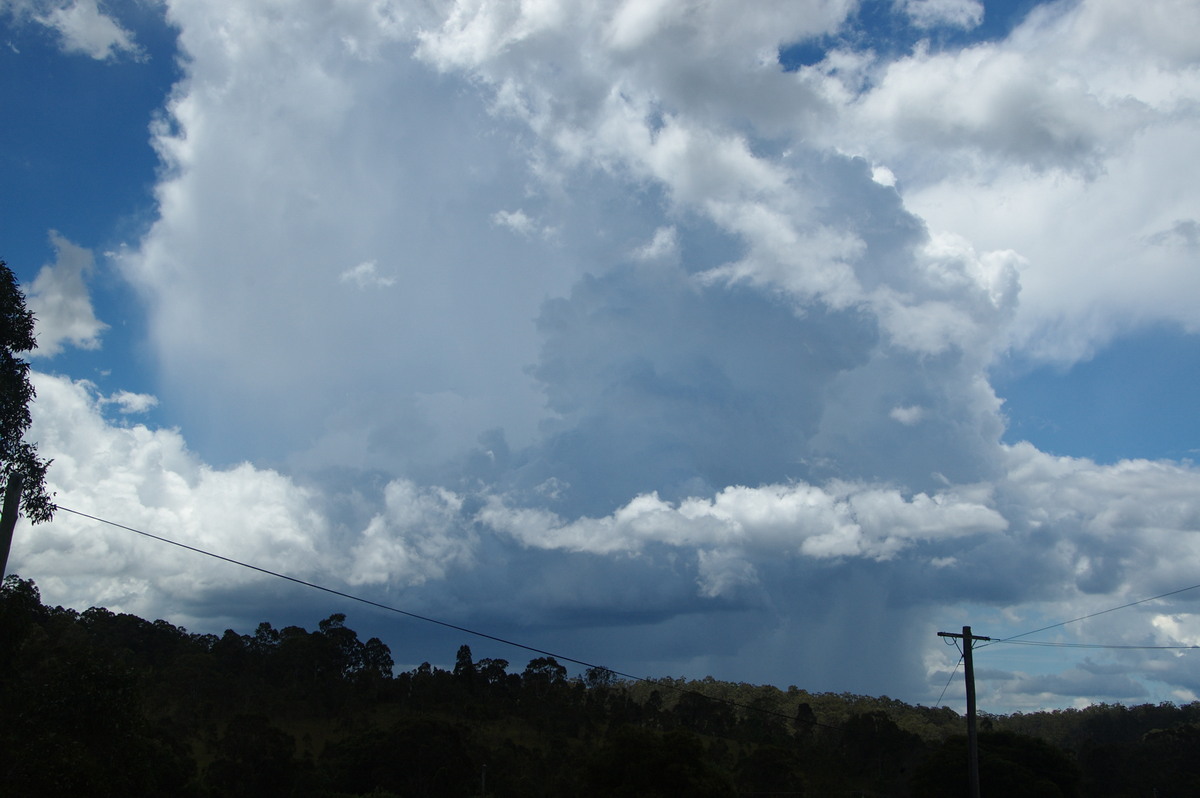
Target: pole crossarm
962, 636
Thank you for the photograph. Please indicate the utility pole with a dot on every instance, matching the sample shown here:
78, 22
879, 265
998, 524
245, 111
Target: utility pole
8, 521
972, 735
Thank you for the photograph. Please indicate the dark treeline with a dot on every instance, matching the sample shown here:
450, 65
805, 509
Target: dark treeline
97, 704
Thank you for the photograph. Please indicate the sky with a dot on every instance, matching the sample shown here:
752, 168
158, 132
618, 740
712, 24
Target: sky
687, 338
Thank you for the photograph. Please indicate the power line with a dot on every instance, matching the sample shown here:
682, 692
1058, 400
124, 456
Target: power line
682, 690
444, 624
350, 596
1094, 614
948, 680
1050, 644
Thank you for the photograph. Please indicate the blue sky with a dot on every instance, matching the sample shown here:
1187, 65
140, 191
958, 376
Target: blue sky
704, 340
1136, 397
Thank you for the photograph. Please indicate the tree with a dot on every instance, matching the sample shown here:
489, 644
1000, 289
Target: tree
639, 762
1009, 764
346, 648
377, 660
493, 671
597, 676
545, 669
464, 667
16, 455
543, 672
254, 758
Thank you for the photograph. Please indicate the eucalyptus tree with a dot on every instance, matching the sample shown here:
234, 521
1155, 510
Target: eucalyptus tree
18, 456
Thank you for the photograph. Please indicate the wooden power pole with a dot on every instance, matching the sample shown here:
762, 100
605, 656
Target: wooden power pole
8, 521
972, 734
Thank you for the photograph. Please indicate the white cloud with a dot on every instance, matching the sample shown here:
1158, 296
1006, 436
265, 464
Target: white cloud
366, 275
1087, 275
747, 371
284, 159
87, 29
1060, 143
966, 14
997, 100
130, 403
908, 415
1178, 629
519, 222
723, 572
664, 246
147, 479
82, 26
883, 176
1051, 537
841, 521
60, 300
597, 118
417, 536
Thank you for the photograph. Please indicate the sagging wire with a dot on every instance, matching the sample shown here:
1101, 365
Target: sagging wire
444, 624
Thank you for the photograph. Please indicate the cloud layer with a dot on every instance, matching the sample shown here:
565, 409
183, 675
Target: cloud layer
774, 570
599, 308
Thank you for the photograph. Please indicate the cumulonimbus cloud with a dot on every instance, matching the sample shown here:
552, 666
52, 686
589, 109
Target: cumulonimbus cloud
747, 373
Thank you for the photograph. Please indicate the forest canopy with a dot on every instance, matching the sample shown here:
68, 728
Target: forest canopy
102, 703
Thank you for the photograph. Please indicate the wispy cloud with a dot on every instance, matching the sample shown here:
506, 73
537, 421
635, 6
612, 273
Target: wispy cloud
82, 26
366, 275
131, 403
664, 246
519, 222
935, 13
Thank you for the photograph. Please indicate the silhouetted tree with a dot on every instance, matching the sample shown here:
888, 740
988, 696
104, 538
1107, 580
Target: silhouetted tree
74, 722
543, 673
638, 763
377, 660
1009, 764
18, 456
464, 666
771, 769
493, 671
599, 677
704, 715
254, 758
102, 703
412, 758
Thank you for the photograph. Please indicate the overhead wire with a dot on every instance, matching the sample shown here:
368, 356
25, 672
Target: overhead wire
1095, 614
1053, 644
444, 624
949, 679
1013, 640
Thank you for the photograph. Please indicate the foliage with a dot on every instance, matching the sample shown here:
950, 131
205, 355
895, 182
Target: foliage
1009, 764
637, 763
102, 703
18, 456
